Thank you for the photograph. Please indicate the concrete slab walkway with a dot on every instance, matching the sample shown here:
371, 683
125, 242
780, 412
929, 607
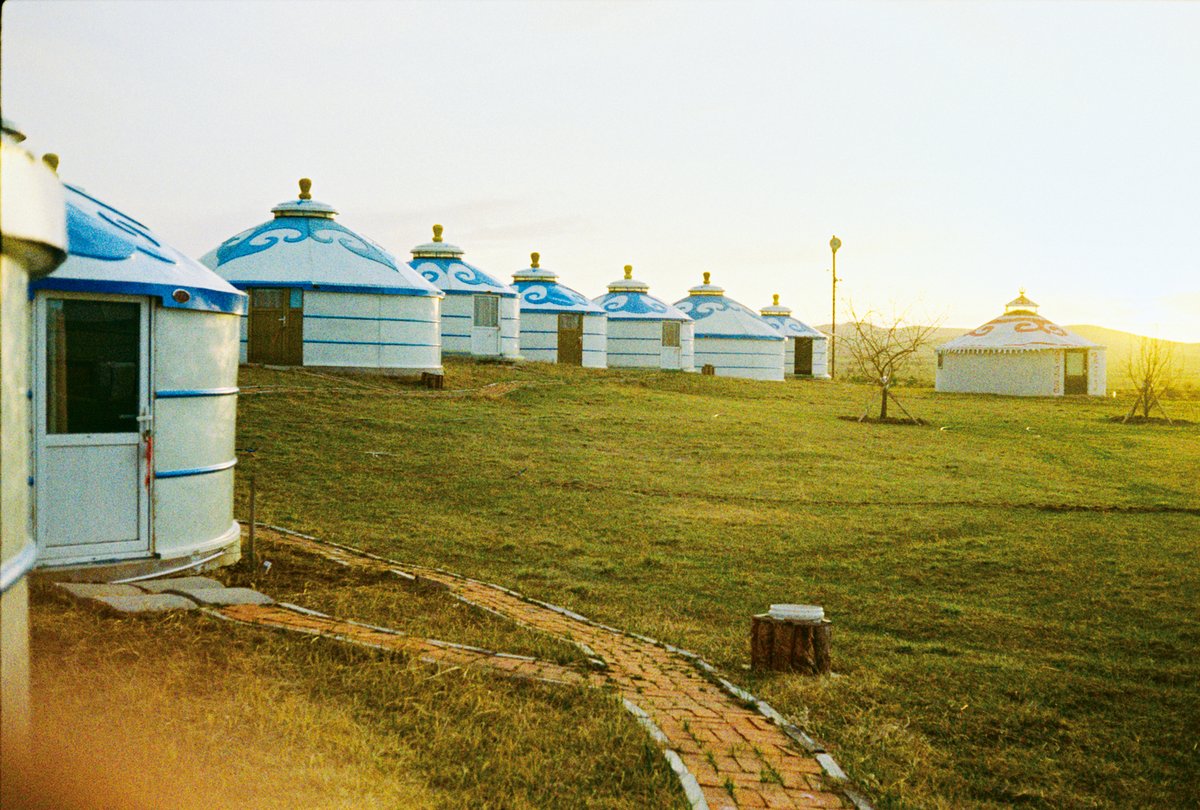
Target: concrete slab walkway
727, 754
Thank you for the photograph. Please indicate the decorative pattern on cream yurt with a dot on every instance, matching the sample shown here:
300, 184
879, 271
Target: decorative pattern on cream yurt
1021, 353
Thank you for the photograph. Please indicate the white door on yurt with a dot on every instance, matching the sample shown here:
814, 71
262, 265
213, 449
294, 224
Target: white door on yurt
670, 345
92, 408
485, 329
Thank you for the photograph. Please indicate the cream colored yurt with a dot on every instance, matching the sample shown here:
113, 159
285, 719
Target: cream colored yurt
479, 315
730, 336
805, 352
33, 221
1022, 354
644, 332
134, 402
323, 295
558, 324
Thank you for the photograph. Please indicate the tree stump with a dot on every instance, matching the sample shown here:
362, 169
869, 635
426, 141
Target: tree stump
790, 645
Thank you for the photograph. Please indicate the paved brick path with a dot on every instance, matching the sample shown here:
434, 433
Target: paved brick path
738, 757
291, 617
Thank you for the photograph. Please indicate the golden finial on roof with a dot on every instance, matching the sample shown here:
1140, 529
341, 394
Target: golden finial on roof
305, 188
1022, 292
775, 300
535, 258
834, 244
707, 276
51, 160
437, 233
629, 271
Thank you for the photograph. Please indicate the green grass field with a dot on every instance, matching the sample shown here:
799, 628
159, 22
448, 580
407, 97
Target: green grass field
1014, 587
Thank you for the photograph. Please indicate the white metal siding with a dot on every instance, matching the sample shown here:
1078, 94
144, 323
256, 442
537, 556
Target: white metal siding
195, 355
740, 357
360, 330
1025, 374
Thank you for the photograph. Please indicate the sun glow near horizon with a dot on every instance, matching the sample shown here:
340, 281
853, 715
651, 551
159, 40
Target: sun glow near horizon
960, 152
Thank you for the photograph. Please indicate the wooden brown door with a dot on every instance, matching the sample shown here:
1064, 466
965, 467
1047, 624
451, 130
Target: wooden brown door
1075, 379
570, 338
803, 365
276, 327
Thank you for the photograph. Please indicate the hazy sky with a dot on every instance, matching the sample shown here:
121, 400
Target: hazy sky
960, 151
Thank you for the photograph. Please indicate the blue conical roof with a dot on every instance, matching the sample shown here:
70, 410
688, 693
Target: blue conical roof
629, 299
540, 291
111, 252
780, 319
717, 316
302, 246
440, 263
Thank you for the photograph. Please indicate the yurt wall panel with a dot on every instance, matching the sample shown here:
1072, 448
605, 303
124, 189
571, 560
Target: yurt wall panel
195, 412
687, 346
595, 341
638, 343
539, 336
1025, 373
1097, 373
635, 343
193, 515
820, 358
371, 331
458, 321
741, 357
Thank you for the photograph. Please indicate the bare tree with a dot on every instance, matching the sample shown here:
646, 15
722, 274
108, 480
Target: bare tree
881, 352
1151, 367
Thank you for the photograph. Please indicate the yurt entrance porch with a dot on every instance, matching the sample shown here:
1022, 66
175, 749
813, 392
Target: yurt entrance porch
804, 357
1075, 376
570, 338
92, 408
485, 328
276, 328
671, 356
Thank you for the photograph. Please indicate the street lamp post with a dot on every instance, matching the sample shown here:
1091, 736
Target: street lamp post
834, 244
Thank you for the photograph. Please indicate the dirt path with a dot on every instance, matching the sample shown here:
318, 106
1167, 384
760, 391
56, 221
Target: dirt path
726, 754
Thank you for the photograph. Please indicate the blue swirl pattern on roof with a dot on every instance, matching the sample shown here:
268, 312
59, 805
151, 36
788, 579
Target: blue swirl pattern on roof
134, 261
718, 316
638, 305
297, 229
550, 296
456, 277
790, 327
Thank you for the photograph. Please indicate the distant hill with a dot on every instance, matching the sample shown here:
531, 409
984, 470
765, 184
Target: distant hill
1119, 345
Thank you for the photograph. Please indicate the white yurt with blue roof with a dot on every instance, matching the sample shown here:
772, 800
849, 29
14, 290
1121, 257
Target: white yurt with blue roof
805, 354
558, 324
323, 295
730, 337
479, 315
644, 332
134, 401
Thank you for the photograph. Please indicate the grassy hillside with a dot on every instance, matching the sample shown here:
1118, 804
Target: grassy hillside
1014, 588
1119, 346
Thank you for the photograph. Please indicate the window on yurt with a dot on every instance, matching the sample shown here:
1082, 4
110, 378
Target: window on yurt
487, 310
93, 366
670, 337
